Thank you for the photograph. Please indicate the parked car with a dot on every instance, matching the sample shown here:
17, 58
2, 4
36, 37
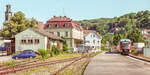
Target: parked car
25, 54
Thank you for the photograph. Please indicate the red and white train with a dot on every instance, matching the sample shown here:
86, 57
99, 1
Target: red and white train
125, 46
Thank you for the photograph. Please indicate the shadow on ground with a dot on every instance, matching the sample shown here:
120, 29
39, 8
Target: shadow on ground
115, 52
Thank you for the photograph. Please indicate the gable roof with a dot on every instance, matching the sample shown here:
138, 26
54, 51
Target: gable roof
86, 32
49, 35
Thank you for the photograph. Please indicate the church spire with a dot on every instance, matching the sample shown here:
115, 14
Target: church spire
8, 13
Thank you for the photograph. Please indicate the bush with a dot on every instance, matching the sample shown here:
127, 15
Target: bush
65, 47
43, 52
133, 51
103, 48
55, 50
51, 54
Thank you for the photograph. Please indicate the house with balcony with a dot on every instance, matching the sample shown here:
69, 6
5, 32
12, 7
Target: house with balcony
92, 41
66, 28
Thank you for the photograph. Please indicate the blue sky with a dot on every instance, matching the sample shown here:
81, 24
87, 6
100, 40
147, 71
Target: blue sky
43, 10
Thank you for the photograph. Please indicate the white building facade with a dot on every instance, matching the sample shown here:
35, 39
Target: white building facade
92, 41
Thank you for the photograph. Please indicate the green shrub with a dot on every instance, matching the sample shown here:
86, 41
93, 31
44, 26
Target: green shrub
133, 51
103, 48
65, 47
51, 54
55, 50
43, 53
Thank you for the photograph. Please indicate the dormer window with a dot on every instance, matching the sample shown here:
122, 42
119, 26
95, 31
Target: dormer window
50, 25
65, 25
57, 25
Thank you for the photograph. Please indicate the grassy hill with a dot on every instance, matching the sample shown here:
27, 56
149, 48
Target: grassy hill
128, 21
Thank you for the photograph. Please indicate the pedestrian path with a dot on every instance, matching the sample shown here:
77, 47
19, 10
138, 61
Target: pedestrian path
116, 64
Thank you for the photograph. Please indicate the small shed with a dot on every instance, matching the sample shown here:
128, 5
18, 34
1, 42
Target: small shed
33, 39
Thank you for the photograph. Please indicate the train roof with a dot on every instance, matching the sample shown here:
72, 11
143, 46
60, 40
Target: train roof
125, 40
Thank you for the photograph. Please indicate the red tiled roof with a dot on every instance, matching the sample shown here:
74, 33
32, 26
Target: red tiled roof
60, 18
86, 32
61, 21
50, 35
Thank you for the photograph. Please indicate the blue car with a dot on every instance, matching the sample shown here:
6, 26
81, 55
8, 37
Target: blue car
25, 54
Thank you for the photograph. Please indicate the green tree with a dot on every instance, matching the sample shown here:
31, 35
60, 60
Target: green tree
117, 38
104, 40
136, 36
17, 24
65, 47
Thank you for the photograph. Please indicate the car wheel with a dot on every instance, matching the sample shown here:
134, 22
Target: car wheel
16, 58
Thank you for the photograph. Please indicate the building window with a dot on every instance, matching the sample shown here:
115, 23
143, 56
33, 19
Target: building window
97, 41
66, 34
65, 25
23, 41
30, 41
50, 25
58, 34
93, 35
57, 25
36, 41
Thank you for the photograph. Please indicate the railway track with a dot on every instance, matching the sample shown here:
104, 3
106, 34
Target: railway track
76, 60
35, 63
139, 58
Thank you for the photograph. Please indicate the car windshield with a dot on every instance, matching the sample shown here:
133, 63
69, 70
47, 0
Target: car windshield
26, 52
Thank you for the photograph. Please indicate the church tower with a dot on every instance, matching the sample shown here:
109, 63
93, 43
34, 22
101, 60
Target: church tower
8, 13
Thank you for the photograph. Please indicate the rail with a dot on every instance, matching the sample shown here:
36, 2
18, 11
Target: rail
21, 66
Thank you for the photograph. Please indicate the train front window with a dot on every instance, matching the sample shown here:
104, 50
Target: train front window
125, 43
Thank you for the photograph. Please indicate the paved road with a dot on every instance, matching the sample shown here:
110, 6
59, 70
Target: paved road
116, 64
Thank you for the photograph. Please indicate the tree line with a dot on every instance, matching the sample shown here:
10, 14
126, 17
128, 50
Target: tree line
125, 26
112, 29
